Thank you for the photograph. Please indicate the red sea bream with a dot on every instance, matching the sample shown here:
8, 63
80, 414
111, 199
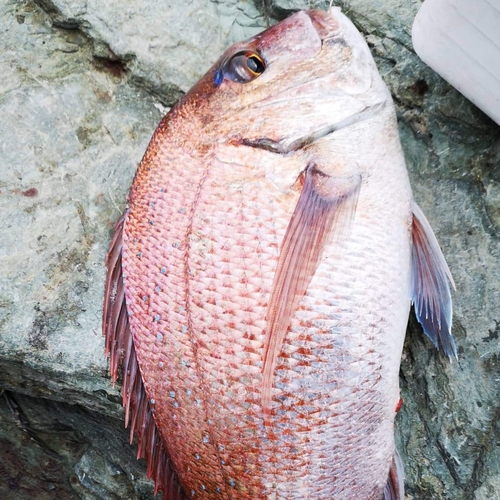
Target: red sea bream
260, 280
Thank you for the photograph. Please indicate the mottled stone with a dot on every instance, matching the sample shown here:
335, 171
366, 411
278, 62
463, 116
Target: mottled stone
54, 450
171, 46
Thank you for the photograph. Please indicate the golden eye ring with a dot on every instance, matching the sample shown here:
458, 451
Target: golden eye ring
255, 64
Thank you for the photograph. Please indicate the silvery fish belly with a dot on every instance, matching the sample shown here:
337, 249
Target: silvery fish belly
260, 280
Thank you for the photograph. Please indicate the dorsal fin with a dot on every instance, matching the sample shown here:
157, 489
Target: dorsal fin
395, 486
120, 348
326, 205
430, 284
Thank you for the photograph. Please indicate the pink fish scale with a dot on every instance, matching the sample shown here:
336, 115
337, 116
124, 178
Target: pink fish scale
267, 289
219, 244
229, 295
341, 372
180, 410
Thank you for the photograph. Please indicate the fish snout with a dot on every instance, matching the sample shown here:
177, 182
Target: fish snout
325, 23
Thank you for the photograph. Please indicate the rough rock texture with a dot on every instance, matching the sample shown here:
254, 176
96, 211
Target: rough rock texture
83, 84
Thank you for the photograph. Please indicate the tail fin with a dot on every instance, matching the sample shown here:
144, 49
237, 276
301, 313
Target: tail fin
395, 487
120, 347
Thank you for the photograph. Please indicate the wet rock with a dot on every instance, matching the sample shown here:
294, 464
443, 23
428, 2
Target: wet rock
84, 84
52, 450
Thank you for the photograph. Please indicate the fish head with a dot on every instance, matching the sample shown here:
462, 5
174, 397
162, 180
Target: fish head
291, 84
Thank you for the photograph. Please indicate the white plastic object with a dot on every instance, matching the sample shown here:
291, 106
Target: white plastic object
460, 40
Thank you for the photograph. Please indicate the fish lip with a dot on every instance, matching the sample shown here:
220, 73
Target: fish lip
279, 148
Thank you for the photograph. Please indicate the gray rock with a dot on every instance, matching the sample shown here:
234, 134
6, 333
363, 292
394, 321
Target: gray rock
72, 132
83, 86
172, 45
57, 450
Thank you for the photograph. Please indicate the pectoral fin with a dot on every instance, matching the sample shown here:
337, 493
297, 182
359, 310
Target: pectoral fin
325, 209
430, 285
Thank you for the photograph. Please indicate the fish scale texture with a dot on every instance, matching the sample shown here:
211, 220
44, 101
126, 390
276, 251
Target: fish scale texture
201, 246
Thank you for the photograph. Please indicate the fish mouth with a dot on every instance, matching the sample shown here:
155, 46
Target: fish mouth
278, 147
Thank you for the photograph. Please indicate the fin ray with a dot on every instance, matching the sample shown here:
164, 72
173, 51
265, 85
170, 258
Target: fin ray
326, 205
120, 348
430, 285
395, 486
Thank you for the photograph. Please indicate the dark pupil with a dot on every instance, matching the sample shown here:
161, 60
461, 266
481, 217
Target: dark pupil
255, 65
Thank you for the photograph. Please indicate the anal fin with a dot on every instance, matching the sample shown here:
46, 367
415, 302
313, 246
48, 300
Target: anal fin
430, 285
121, 350
395, 487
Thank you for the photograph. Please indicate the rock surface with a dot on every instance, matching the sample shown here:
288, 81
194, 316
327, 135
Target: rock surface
84, 84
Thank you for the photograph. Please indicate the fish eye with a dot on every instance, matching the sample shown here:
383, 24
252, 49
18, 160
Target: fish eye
255, 64
244, 66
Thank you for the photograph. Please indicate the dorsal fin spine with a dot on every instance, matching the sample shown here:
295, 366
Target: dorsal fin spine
119, 346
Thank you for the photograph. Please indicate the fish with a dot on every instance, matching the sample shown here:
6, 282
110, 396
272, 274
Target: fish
260, 279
